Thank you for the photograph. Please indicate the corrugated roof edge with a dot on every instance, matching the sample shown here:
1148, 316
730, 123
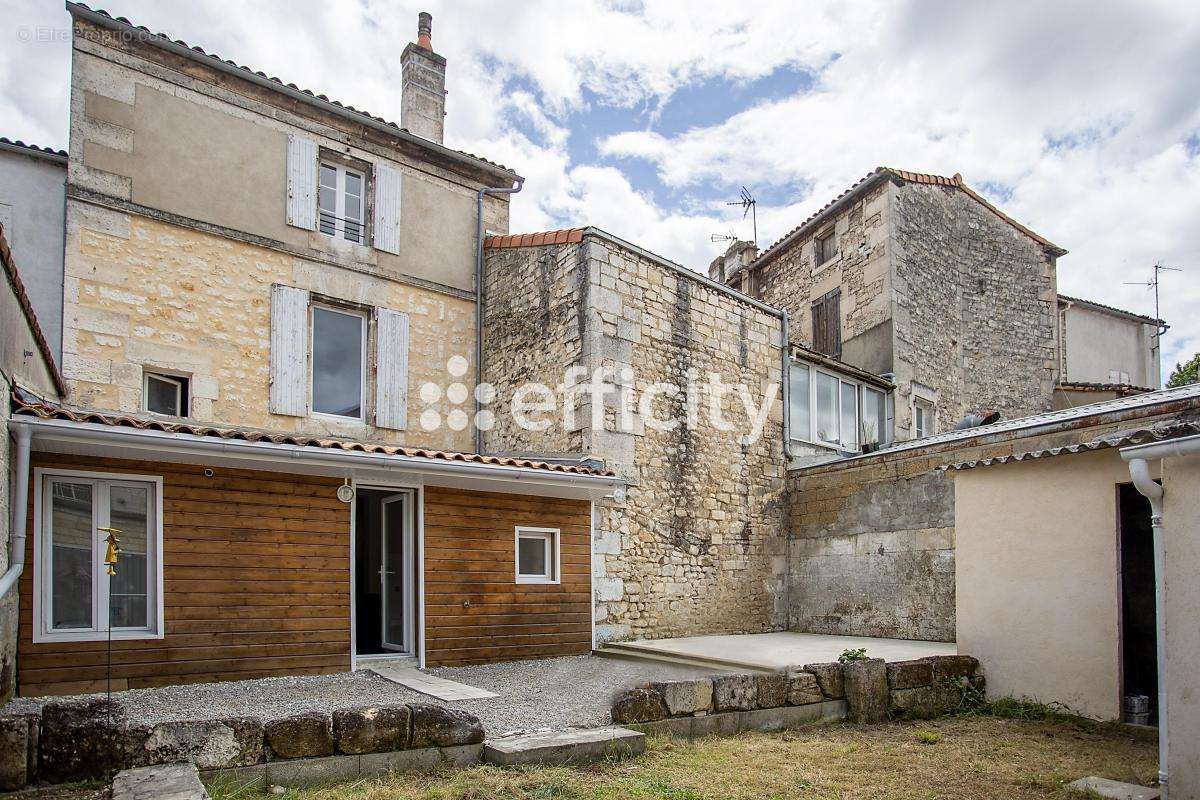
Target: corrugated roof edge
25, 403
104, 19
18, 287
880, 173
1158, 432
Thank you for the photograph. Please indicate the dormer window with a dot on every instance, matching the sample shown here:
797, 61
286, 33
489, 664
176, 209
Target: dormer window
341, 203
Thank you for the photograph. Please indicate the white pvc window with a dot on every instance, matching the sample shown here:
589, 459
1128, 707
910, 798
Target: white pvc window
75, 599
831, 410
165, 394
537, 555
924, 419
340, 203
339, 356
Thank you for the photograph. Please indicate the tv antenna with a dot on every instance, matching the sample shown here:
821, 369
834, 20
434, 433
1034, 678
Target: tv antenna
1153, 284
724, 237
748, 204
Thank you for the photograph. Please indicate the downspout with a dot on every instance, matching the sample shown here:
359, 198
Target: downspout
488, 191
20, 508
786, 378
1139, 471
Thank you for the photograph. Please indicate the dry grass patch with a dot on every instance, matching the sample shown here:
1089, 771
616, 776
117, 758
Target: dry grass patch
963, 758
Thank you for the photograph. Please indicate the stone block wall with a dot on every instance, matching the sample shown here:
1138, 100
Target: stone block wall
975, 308
699, 545
871, 539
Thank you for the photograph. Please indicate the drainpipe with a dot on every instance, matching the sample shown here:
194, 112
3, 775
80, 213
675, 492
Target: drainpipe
1139, 471
787, 388
20, 507
490, 191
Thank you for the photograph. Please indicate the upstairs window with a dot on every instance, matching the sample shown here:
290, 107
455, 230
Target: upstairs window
923, 418
824, 248
341, 203
827, 324
831, 410
339, 351
165, 394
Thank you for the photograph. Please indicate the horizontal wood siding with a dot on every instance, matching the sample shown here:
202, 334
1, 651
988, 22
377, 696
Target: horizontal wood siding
256, 583
475, 611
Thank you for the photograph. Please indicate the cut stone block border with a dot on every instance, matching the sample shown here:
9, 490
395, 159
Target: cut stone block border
867, 691
83, 738
160, 782
564, 747
330, 769
731, 723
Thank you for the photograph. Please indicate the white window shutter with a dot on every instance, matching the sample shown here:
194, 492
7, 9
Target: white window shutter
387, 208
302, 182
391, 369
289, 351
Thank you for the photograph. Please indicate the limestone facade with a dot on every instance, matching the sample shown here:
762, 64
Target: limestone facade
698, 544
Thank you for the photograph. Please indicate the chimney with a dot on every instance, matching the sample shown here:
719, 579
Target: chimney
423, 91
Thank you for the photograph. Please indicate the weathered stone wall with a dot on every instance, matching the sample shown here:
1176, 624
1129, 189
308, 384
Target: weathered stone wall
861, 268
140, 293
698, 546
975, 316
871, 550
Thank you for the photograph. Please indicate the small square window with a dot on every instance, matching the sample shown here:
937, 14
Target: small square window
165, 394
537, 555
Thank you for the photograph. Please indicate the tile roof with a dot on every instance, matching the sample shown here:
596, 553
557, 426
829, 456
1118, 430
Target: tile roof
198, 53
18, 287
1062, 298
34, 150
1159, 431
26, 404
564, 236
879, 173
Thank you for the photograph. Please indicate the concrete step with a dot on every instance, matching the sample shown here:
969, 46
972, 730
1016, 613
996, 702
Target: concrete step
1103, 787
160, 782
564, 747
642, 653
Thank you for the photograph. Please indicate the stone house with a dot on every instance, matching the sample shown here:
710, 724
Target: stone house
918, 278
258, 284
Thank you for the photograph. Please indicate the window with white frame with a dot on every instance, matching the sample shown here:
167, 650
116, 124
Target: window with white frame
165, 394
537, 555
75, 597
339, 353
835, 411
341, 204
924, 418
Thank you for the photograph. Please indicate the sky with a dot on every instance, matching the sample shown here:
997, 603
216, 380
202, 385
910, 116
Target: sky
1079, 119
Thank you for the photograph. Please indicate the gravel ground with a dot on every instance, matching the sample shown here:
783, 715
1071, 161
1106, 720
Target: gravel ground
550, 694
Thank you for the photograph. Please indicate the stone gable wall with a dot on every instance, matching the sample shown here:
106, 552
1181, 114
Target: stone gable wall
975, 309
698, 546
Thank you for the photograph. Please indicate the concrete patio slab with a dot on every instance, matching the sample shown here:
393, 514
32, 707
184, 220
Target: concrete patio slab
773, 652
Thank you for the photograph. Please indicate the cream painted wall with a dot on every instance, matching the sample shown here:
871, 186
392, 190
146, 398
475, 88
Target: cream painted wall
1181, 542
1038, 600
1097, 343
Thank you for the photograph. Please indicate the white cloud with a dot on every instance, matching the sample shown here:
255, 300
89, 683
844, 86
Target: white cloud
924, 85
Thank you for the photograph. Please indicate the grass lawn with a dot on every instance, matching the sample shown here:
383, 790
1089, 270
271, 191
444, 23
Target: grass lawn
953, 757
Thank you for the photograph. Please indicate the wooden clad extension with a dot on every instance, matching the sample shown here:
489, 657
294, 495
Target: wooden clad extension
475, 611
256, 583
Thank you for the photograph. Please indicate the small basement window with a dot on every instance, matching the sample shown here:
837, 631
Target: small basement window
165, 394
340, 199
75, 599
537, 555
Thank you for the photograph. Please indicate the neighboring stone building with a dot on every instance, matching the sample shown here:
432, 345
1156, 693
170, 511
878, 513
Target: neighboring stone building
26, 360
32, 202
698, 545
918, 278
1105, 352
